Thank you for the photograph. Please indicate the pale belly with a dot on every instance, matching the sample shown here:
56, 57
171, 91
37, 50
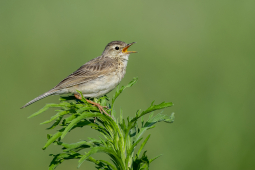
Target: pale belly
97, 87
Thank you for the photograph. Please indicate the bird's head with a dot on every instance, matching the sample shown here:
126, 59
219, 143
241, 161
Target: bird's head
118, 49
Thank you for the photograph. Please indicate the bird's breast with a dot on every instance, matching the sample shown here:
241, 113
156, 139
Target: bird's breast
122, 68
99, 86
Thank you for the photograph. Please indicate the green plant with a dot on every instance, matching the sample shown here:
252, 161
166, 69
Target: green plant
120, 137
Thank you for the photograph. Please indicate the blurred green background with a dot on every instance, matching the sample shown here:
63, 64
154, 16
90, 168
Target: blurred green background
197, 54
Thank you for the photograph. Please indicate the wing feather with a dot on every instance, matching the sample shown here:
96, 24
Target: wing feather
97, 67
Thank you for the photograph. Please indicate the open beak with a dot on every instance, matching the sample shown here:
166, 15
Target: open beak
125, 49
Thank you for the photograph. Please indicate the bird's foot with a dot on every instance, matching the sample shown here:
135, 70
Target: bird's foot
101, 108
77, 96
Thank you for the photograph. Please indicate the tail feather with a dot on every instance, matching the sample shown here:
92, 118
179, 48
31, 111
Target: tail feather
51, 92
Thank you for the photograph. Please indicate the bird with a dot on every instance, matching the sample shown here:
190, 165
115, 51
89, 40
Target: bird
95, 78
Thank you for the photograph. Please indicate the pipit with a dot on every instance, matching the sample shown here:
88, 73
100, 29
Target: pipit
97, 77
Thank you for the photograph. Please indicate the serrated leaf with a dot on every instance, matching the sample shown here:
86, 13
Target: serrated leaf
109, 164
133, 146
141, 163
95, 141
153, 120
170, 119
69, 119
153, 108
103, 101
86, 108
120, 90
58, 120
59, 158
106, 150
78, 119
84, 122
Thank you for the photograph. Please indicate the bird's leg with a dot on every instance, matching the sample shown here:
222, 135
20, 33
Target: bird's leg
77, 96
101, 108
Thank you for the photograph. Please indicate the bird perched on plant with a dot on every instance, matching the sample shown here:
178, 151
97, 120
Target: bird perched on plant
96, 77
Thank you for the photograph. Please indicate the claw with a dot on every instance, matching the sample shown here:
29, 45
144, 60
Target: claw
105, 107
77, 96
101, 108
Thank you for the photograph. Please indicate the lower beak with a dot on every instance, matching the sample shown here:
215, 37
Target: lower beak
125, 49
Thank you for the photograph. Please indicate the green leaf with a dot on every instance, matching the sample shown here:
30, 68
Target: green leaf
58, 120
76, 146
153, 108
116, 141
78, 119
155, 158
84, 122
67, 98
95, 141
142, 145
169, 119
51, 105
109, 164
106, 150
82, 97
104, 165
86, 108
62, 113
103, 100
153, 120
120, 90
59, 158
52, 139
67, 120
141, 163
130, 151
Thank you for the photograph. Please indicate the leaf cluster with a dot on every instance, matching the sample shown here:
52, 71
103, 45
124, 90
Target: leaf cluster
119, 138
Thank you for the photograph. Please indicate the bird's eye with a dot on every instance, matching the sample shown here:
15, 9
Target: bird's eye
117, 48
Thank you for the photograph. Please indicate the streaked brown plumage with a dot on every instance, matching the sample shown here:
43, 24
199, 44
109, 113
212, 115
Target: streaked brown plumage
96, 77
99, 66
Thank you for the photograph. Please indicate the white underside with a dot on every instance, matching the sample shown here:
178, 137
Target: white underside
97, 87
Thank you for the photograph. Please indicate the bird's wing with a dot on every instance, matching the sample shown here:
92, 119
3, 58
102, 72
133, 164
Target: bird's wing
93, 69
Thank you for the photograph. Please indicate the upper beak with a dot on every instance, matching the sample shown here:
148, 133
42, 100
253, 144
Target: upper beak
125, 49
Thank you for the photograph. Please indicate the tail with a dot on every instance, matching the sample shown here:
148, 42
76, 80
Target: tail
51, 92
